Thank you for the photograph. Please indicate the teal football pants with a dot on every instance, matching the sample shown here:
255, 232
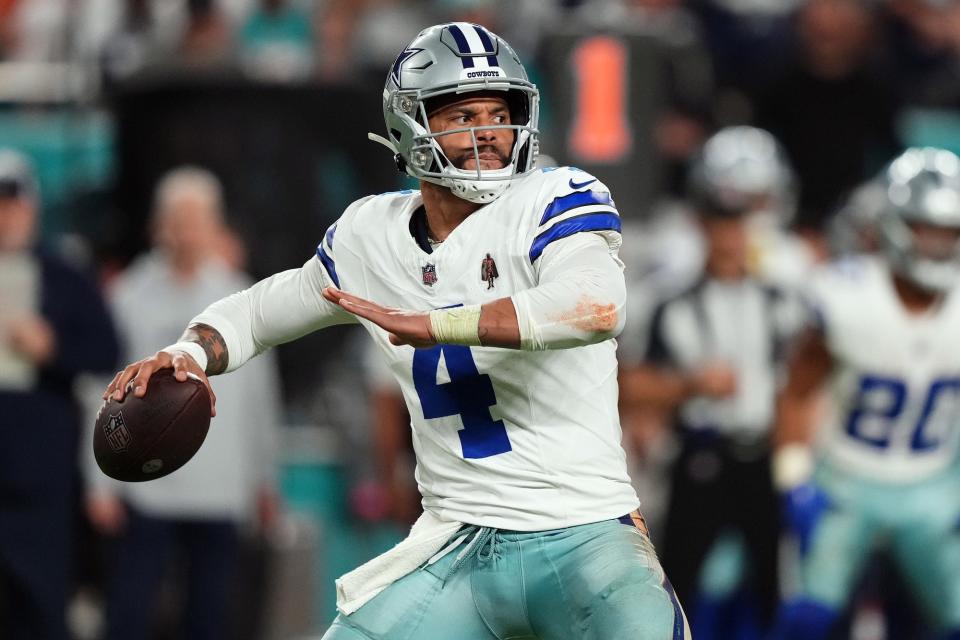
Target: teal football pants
919, 523
598, 581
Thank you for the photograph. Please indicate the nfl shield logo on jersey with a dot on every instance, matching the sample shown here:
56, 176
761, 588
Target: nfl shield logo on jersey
116, 432
429, 274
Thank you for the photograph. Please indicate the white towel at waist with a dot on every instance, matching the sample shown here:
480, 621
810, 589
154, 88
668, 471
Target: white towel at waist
427, 537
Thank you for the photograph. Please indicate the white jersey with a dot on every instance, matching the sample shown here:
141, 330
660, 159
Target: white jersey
522, 440
895, 410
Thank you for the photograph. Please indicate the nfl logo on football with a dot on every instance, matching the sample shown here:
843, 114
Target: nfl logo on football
429, 274
116, 432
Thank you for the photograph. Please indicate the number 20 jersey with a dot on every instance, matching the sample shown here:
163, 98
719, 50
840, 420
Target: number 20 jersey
894, 414
521, 440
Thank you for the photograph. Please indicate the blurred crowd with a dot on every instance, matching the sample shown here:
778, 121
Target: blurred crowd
745, 142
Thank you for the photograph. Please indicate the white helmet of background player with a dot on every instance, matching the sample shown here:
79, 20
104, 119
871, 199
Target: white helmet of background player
456, 59
924, 189
741, 170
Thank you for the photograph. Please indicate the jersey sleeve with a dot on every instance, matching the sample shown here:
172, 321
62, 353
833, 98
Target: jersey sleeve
573, 202
326, 250
279, 309
283, 307
325, 255
579, 300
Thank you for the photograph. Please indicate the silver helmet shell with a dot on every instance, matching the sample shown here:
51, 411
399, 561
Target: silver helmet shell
458, 58
923, 187
740, 169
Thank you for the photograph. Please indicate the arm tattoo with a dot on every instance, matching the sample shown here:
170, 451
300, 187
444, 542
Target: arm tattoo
213, 344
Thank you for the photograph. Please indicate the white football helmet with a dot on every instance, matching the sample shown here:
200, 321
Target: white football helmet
743, 169
457, 58
923, 187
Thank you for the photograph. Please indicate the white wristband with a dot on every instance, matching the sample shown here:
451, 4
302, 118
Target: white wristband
792, 466
458, 325
192, 349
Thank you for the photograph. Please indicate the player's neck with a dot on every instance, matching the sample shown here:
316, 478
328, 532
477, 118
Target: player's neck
914, 299
444, 210
725, 270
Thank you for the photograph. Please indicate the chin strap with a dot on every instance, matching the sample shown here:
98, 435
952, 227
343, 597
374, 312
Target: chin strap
378, 138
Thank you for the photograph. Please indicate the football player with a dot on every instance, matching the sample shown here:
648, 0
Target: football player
494, 293
886, 344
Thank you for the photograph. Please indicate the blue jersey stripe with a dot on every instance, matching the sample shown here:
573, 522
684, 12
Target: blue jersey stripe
571, 226
462, 45
572, 201
329, 237
487, 45
328, 264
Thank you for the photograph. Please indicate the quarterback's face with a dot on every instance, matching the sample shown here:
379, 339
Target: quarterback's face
493, 145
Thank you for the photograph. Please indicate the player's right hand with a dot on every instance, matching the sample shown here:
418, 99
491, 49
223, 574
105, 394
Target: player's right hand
136, 376
804, 505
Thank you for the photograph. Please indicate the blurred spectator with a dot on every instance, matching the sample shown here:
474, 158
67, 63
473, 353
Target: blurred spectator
834, 116
132, 46
208, 38
924, 48
276, 42
749, 43
53, 326
7, 27
521, 22
360, 38
630, 86
35, 31
197, 511
199, 42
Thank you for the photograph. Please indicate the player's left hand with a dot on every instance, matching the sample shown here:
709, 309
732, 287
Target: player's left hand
404, 327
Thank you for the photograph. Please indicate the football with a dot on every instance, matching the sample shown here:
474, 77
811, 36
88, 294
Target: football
139, 439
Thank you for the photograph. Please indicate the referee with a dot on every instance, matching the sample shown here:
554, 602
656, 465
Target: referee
712, 359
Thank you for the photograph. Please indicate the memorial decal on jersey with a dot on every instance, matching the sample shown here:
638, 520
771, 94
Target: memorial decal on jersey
429, 272
488, 271
116, 432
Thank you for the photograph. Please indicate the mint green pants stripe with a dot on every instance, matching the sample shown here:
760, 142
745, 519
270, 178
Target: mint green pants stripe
917, 522
598, 581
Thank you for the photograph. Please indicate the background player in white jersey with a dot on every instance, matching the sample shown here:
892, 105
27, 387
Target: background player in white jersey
498, 293
888, 344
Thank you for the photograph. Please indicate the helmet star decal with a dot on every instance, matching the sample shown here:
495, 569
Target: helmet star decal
403, 57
